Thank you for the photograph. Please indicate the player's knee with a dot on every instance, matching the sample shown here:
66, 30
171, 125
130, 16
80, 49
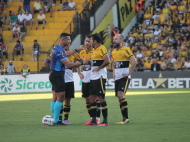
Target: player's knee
92, 98
87, 100
120, 95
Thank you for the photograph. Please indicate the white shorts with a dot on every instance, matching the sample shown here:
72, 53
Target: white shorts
35, 52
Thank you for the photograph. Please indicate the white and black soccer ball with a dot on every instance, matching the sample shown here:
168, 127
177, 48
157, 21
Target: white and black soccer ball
47, 120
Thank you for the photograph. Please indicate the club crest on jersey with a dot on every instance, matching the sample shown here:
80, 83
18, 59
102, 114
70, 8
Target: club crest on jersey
118, 64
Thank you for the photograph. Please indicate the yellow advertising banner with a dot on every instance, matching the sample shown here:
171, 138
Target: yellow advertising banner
105, 29
126, 11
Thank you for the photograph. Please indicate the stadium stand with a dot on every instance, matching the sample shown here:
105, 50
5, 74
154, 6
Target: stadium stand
162, 33
46, 37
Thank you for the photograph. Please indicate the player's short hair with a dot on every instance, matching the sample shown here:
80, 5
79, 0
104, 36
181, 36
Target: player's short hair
87, 36
96, 37
64, 35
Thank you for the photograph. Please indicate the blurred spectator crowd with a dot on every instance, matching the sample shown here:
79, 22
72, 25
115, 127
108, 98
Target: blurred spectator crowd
162, 40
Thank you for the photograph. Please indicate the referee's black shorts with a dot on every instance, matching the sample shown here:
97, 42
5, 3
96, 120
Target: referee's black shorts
122, 85
85, 89
97, 87
57, 80
69, 90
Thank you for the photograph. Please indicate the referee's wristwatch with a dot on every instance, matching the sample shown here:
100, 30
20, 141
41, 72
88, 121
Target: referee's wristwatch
76, 50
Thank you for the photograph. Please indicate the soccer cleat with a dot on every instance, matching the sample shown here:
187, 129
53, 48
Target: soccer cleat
97, 121
124, 121
103, 124
66, 122
88, 122
59, 123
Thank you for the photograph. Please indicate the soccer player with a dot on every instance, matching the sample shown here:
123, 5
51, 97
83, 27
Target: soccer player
58, 63
86, 54
69, 88
99, 61
122, 57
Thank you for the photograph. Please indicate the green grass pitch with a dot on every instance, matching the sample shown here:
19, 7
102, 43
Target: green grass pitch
161, 117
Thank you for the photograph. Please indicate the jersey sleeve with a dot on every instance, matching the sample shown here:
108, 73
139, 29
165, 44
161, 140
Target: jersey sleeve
61, 55
76, 55
128, 52
103, 52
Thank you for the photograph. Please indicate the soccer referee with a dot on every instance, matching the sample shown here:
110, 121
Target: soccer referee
99, 61
58, 62
122, 57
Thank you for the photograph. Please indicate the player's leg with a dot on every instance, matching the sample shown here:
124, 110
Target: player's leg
68, 95
98, 110
53, 100
92, 99
122, 88
101, 97
85, 95
57, 80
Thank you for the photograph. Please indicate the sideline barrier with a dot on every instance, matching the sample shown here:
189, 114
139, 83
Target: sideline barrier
40, 82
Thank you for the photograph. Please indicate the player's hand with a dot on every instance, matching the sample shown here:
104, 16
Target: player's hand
95, 69
80, 59
85, 62
113, 76
80, 48
125, 74
81, 76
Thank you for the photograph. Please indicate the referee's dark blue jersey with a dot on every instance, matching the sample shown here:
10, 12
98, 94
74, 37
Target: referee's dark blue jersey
58, 54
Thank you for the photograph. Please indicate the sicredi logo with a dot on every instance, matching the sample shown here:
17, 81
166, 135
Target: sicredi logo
6, 85
23, 84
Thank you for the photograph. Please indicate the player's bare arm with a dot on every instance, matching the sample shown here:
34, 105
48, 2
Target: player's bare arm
79, 72
113, 68
47, 62
72, 65
133, 65
104, 64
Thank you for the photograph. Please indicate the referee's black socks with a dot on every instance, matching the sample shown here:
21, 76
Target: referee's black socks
88, 107
104, 111
124, 108
93, 112
61, 113
66, 112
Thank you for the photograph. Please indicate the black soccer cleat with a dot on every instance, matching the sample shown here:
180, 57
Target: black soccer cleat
59, 123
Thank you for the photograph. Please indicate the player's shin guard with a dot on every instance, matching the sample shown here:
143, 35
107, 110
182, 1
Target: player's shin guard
124, 108
66, 112
57, 109
52, 107
88, 108
104, 111
61, 113
93, 112
98, 109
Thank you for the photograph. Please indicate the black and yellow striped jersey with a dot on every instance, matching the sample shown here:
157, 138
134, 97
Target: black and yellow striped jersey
97, 60
86, 68
121, 58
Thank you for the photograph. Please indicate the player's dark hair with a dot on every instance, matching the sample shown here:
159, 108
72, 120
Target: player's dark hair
96, 37
64, 35
18, 41
87, 36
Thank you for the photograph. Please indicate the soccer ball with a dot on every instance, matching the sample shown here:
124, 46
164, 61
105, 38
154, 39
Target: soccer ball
47, 120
